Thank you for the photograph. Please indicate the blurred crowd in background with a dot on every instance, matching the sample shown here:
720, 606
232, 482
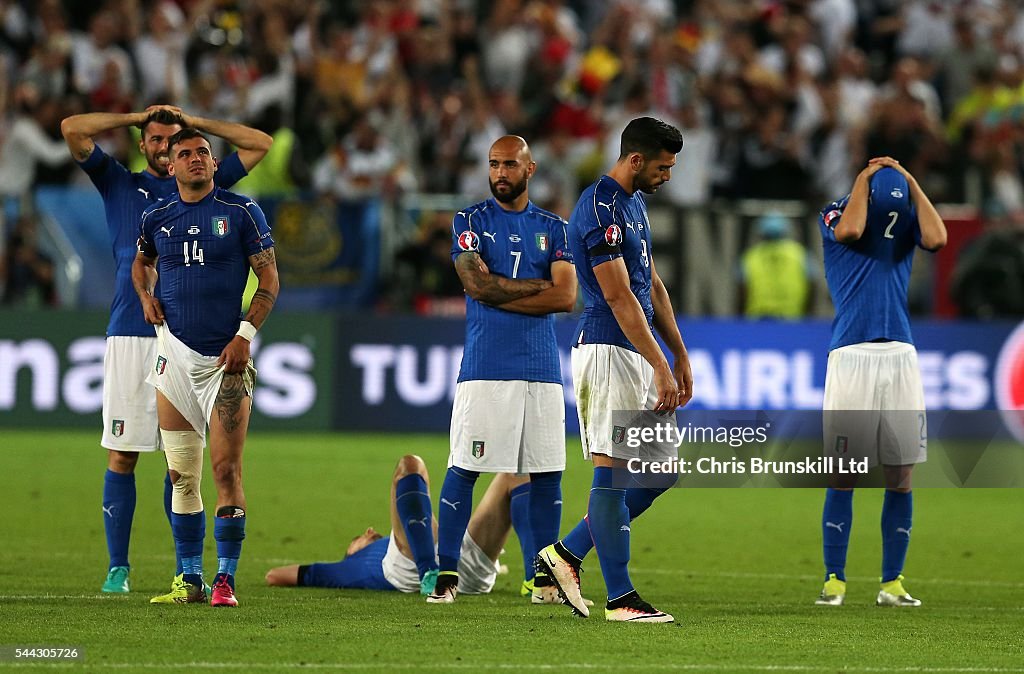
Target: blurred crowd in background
381, 98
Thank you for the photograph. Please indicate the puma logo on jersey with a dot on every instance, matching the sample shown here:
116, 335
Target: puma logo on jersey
608, 206
144, 192
167, 230
490, 235
839, 526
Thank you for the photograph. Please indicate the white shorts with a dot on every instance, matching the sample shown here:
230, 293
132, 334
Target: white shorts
190, 380
874, 404
508, 427
615, 392
477, 571
129, 403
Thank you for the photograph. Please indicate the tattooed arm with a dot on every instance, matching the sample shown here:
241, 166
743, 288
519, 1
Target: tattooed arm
483, 286
264, 265
79, 130
235, 355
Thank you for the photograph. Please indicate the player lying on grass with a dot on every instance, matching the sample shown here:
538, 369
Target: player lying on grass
406, 559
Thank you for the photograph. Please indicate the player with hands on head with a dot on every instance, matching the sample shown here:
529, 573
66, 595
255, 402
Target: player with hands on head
874, 399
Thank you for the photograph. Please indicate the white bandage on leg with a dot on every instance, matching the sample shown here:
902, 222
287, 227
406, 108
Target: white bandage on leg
184, 452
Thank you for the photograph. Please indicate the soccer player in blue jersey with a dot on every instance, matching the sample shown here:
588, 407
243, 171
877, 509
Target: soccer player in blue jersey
874, 400
509, 412
405, 560
129, 404
201, 243
617, 363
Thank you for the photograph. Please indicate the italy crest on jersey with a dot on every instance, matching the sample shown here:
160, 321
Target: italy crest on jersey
221, 227
543, 241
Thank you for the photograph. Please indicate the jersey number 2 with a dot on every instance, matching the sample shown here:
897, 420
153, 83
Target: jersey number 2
197, 254
892, 223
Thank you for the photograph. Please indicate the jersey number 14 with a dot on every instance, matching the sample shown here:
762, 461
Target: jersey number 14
197, 253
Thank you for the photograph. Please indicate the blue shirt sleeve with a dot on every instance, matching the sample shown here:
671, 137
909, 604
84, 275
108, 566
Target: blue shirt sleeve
464, 239
830, 216
601, 231
103, 170
560, 244
258, 238
229, 171
145, 243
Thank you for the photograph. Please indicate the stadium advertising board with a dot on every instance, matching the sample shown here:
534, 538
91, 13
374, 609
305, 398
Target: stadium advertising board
400, 373
51, 370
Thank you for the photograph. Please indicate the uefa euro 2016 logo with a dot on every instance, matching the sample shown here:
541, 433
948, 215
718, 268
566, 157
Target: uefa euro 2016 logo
1009, 382
469, 241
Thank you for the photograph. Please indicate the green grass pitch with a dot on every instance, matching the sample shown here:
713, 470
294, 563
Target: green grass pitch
738, 568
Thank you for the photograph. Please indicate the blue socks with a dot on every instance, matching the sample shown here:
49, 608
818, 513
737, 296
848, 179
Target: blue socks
412, 501
609, 527
454, 509
168, 492
189, 532
519, 507
638, 499
545, 508
836, 521
118, 513
229, 532
897, 518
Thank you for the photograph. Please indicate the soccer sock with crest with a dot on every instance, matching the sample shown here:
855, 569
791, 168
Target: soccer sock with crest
118, 512
168, 493
454, 509
897, 518
836, 521
412, 501
609, 527
189, 532
519, 509
545, 508
229, 532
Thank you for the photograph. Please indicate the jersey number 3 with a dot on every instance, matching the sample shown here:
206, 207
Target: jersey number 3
197, 254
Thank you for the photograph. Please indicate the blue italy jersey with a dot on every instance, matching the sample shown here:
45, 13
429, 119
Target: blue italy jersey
362, 571
203, 263
505, 345
606, 224
125, 196
868, 278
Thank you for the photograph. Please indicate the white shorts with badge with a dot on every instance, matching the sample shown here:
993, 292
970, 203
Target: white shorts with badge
615, 392
190, 380
129, 403
477, 571
508, 427
874, 404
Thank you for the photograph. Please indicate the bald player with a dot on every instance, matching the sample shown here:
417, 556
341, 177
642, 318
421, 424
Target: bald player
509, 414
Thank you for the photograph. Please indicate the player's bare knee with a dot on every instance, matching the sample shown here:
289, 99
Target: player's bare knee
410, 464
122, 462
227, 473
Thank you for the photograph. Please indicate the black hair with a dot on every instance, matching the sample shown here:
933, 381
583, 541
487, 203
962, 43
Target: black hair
185, 134
161, 116
649, 137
